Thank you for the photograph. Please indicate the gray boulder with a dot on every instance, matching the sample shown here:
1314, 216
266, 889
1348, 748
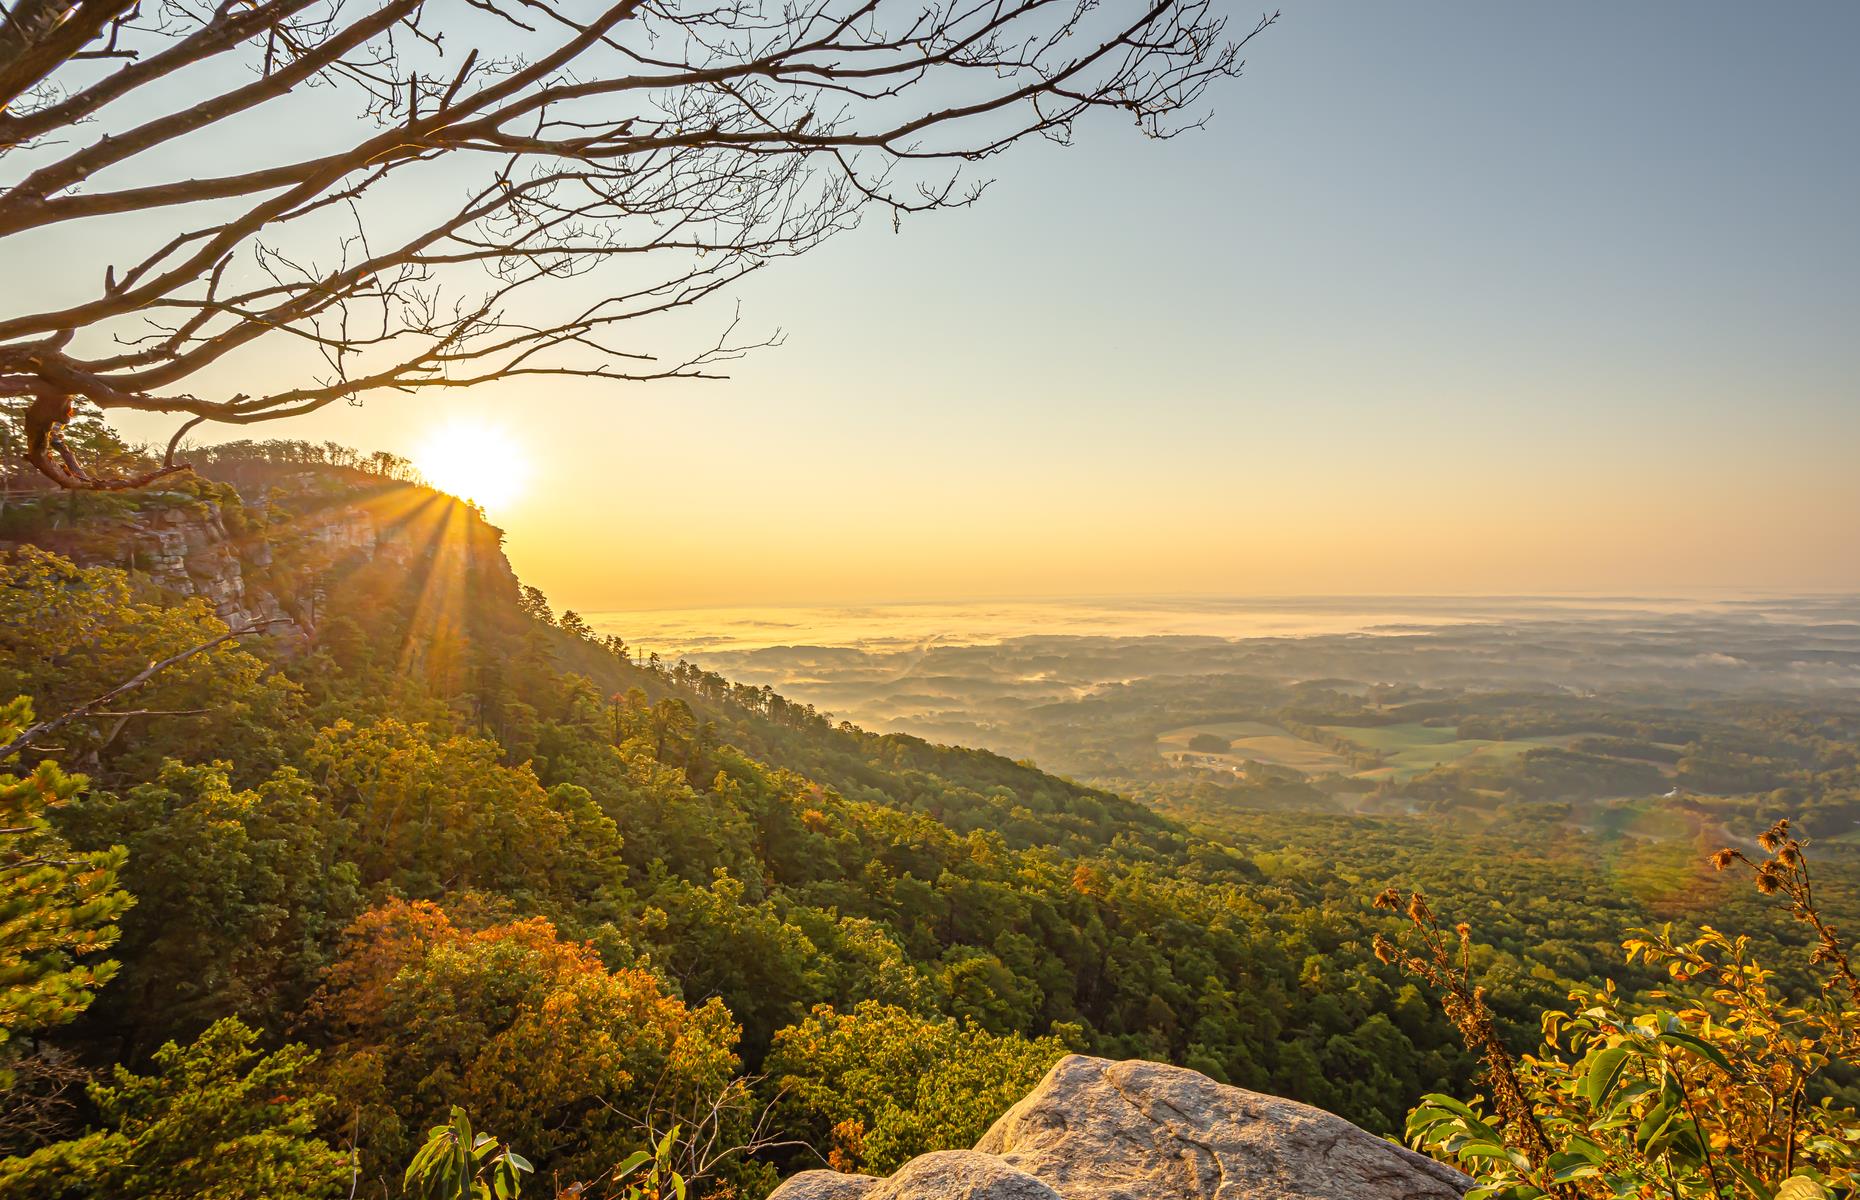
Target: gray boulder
1100, 1130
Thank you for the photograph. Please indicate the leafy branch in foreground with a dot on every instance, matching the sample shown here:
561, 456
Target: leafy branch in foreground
1446, 965
652, 1174
458, 1164
1713, 1086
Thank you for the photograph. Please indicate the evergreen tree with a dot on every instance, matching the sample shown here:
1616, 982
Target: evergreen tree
58, 907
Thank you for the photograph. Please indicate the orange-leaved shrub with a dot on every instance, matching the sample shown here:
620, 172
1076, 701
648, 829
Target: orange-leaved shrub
531, 1034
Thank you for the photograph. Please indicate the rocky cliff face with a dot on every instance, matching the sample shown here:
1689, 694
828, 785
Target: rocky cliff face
187, 550
1100, 1130
189, 545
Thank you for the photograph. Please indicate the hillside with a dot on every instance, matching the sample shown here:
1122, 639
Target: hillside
469, 853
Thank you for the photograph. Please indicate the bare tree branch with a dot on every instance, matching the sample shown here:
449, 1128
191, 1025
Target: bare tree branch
500, 189
90, 708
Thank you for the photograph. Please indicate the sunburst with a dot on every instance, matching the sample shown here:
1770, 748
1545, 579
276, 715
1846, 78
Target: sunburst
476, 462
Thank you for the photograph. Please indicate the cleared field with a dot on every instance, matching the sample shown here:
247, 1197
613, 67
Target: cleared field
1408, 750
1255, 741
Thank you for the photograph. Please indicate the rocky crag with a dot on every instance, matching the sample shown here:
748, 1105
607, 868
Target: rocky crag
1100, 1130
253, 552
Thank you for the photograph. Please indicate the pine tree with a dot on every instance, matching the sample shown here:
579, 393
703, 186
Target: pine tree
217, 1120
57, 906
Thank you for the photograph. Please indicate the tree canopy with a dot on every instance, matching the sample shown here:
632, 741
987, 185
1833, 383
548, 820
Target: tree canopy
497, 861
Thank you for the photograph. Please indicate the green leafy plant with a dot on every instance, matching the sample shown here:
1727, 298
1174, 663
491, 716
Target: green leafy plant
879, 1085
1713, 1086
458, 1164
650, 1174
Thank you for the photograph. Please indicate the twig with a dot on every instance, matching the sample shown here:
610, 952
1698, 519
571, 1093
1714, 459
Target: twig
34, 732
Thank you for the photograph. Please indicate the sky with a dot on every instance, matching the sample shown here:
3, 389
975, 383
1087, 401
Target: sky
1448, 299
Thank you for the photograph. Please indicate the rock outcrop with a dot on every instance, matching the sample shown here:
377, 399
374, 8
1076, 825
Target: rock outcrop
185, 548
252, 571
1100, 1130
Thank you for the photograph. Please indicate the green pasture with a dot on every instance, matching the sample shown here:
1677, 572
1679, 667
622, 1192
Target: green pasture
1256, 741
1411, 749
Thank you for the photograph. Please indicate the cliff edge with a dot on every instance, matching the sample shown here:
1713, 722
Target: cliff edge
1100, 1130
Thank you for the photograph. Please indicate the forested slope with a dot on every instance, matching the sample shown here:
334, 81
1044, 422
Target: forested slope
466, 852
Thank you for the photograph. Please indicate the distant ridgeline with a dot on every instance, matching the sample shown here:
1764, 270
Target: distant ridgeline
467, 852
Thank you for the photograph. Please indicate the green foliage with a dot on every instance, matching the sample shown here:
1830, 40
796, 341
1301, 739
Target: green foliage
457, 1164
218, 1120
888, 1085
426, 813
236, 895
57, 906
1716, 1086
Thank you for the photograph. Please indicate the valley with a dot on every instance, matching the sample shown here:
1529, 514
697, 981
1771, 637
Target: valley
1618, 717
858, 600
428, 791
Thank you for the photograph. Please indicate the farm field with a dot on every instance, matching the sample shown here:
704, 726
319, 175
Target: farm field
1256, 741
1411, 749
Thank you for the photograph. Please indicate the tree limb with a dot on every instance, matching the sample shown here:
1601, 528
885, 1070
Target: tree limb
525, 206
90, 708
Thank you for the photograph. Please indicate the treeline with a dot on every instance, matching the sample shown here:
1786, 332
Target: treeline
278, 452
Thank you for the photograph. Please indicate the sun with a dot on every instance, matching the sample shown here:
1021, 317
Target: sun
475, 462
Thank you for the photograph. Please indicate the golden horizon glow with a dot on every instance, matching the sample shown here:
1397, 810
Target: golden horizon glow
474, 461
1314, 349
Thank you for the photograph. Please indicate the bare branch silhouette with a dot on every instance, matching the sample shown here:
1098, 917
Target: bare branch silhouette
335, 200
